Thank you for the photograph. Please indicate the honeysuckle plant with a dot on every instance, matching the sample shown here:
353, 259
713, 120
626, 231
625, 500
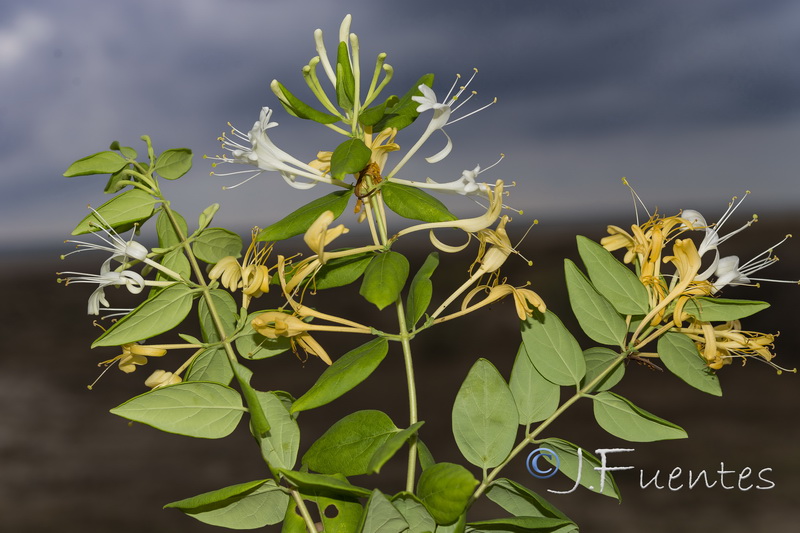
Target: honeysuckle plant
658, 303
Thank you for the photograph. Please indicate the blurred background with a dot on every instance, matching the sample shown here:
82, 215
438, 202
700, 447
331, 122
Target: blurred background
693, 102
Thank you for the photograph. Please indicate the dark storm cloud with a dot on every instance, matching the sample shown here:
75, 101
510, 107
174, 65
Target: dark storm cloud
588, 91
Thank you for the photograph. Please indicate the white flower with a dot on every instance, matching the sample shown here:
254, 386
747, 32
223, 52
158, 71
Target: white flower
127, 278
256, 149
712, 238
120, 249
442, 112
466, 185
728, 271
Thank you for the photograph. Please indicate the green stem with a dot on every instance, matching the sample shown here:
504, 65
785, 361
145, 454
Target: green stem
301, 505
376, 205
530, 437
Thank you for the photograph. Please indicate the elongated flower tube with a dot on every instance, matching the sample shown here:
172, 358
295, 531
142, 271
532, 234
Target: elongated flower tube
729, 272
256, 149
525, 301
320, 234
712, 238
441, 118
107, 278
161, 378
469, 225
120, 249
134, 354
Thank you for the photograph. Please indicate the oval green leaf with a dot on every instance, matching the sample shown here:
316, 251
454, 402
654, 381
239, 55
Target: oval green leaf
308, 482
381, 516
444, 489
345, 373
384, 278
597, 361
581, 466
99, 163
391, 447
210, 365
161, 313
536, 398
296, 107
612, 279
721, 309
300, 220
122, 210
521, 501
245, 506
421, 290
622, 419
350, 157
174, 163
215, 243
680, 356
485, 416
280, 444
201, 410
596, 316
552, 349
348, 445
414, 203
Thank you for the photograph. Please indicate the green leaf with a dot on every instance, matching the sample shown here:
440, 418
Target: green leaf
215, 243
404, 112
296, 107
535, 397
680, 356
485, 416
299, 221
338, 513
622, 419
371, 115
444, 489
414, 203
384, 278
175, 261
391, 447
345, 83
521, 501
279, 446
721, 309
252, 345
99, 163
245, 506
318, 482
426, 459
581, 466
421, 290
350, 157
174, 163
598, 359
517, 524
413, 512
340, 271
381, 516
552, 349
596, 316
201, 410
612, 279
126, 151
206, 217
227, 311
210, 365
345, 373
161, 313
122, 210
350, 443
167, 236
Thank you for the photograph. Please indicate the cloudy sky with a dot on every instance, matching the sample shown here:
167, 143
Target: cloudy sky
693, 101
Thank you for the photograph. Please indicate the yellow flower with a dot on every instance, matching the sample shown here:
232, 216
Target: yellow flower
525, 300
251, 275
274, 324
720, 344
320, 234
161, 378
134, 354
